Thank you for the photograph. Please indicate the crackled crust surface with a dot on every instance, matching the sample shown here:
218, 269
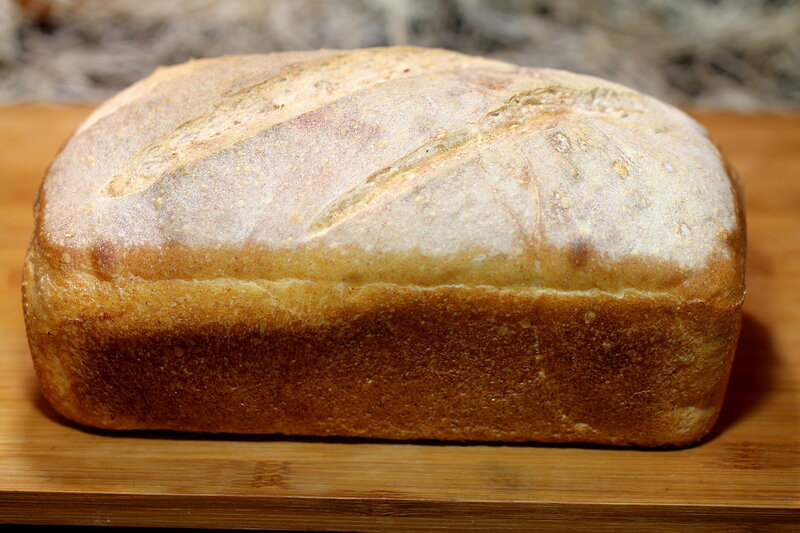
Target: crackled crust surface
401, 165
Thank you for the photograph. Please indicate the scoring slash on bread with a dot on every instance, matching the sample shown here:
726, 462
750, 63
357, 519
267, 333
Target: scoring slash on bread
398, 243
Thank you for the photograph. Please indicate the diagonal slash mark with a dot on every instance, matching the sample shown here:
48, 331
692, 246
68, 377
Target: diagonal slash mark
521, 109
253, 109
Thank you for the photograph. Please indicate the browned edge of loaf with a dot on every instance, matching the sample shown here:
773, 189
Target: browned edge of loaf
379, 360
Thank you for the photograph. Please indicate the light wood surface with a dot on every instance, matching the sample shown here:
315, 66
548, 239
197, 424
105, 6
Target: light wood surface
747, 472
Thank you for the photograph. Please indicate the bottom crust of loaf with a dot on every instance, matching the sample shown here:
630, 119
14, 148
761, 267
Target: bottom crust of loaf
459, 363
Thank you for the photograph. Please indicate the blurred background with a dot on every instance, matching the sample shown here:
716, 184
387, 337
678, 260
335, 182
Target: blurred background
724, 54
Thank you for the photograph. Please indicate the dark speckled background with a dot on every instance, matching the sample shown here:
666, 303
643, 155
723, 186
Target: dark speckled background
735, 54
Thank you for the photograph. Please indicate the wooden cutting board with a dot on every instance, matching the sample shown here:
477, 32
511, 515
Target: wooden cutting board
747, 472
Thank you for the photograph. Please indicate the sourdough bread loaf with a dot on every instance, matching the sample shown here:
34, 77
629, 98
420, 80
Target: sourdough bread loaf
396, 243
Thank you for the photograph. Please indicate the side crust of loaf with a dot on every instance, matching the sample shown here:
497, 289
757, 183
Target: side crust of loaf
380, 360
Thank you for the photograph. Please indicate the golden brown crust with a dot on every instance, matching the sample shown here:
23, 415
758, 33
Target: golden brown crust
380, 360
399, 243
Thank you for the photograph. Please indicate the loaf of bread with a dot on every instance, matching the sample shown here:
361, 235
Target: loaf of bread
396, 243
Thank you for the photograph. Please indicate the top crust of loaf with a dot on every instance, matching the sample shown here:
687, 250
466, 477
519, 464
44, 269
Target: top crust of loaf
403, 165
